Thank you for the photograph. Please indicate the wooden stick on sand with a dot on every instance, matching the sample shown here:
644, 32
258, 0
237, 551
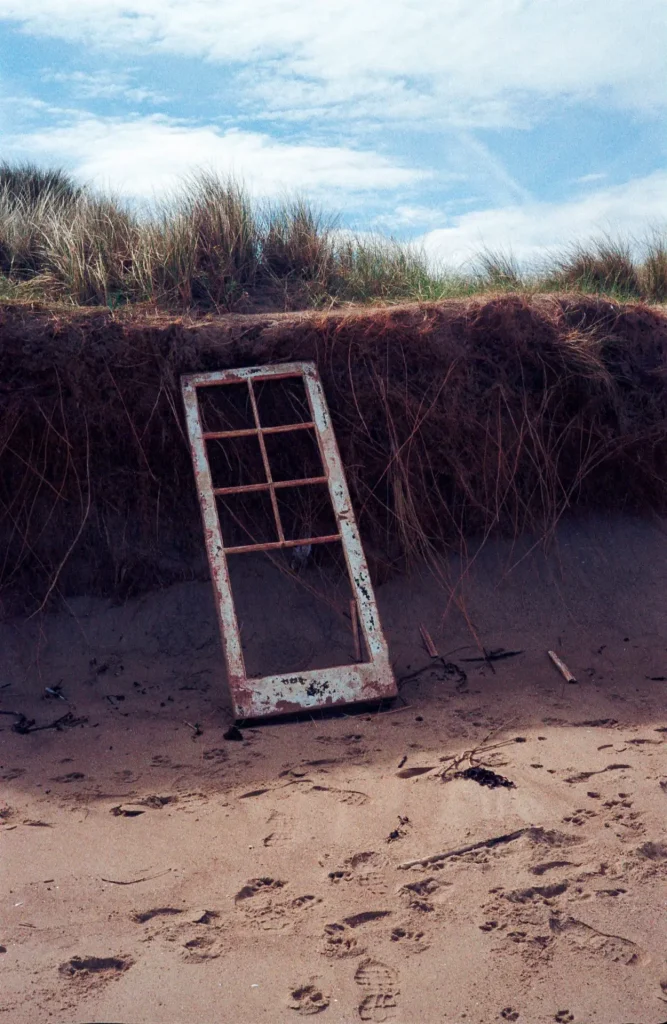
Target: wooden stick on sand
562, 667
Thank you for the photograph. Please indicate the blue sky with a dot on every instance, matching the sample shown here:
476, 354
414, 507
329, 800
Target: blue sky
515, 124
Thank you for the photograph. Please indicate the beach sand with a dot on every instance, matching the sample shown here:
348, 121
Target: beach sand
153, 870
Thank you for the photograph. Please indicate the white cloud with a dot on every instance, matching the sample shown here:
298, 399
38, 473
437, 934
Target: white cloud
588, 179
104, 85
532, 230
486, 62
148, 155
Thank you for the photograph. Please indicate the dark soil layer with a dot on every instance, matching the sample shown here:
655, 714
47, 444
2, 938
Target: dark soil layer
454, 420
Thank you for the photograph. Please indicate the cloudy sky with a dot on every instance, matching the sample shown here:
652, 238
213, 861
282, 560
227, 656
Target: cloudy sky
515, 124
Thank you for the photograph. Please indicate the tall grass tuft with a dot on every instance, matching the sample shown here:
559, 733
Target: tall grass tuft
653, 270
200, 247
499, 270
601, 265
298, 242
28, 183
88, 251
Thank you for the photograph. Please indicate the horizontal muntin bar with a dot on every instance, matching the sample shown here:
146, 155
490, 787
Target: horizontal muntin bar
213, 435
276, 545
247, 488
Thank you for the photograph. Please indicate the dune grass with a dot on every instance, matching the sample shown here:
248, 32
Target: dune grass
210, 246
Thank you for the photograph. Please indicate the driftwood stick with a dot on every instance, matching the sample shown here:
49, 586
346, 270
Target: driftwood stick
562, 667
509, 837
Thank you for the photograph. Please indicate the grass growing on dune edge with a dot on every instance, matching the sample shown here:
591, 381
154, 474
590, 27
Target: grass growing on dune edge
210, 247
456, 421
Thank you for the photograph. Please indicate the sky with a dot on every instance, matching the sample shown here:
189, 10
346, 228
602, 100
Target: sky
515, 125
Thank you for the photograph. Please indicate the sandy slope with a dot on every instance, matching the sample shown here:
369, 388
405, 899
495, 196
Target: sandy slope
261, 880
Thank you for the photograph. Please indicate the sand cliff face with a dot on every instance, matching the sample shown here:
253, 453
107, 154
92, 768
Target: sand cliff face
154, 869
454, 420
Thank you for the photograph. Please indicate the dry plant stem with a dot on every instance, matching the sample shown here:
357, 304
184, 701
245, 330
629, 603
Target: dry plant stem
54, 581
428, 642
135, 881
435, 858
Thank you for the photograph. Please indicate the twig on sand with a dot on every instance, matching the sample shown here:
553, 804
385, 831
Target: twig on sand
471, 756
24, 725
509, 837
27, 725
134, 881
498, 655
562, 667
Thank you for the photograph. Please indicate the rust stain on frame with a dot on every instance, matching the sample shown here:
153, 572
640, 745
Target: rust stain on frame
297, 691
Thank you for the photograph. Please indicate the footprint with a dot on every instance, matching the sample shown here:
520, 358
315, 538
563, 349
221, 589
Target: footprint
340, 876
412, 940
202, 948
208, 917
549, 865
537, 893
261, 903
280, 834
148, 915
417, 893
380, 985
277, 838
583, 936
579, 816
365, 917
70, 777
257, 899
365, 869
308, 999
198, 937
564, 1017
509, 1013
340, 943
653, 851
258, 885
88, 966
215, 754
